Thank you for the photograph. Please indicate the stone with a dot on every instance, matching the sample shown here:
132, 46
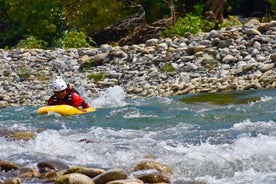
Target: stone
74, 178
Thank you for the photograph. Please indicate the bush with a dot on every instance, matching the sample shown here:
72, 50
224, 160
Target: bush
74, 39
168, 67
96, 76
230, 21
32, 43
190, 23
24, 72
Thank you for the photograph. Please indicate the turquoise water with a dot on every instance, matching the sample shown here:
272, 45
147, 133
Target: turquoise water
233, 143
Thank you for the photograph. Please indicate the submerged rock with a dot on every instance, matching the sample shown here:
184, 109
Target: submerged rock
219, 98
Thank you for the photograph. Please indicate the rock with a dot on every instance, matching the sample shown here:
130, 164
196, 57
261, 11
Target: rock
140, 69
74, 178
252, 32
126, 181
110, 175
50, 165
12, 181
3, 104
23, 135
7, 166
150, 164
154, 178
91, 172
273, 57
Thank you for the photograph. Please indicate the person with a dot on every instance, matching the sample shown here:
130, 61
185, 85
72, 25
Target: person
66, 94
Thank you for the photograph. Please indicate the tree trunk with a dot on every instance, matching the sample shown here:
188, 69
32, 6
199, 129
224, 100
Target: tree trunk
213, 10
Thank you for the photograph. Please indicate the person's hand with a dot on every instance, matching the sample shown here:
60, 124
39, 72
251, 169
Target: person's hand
81, 108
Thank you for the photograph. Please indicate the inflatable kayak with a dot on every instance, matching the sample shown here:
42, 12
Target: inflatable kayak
64, 110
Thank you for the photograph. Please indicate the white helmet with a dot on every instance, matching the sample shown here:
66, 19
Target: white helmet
59, 85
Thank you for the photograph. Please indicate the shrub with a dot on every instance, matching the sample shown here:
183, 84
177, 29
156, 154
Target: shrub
24, 72
32, 43
190, 23
96, 76
210, 63
168, 67
74, 39
230, 21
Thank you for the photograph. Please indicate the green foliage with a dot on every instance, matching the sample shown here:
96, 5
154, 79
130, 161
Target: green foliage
270, 15
24, 72
31, 43
96, 76
230, 21
273, 5
42, 77
168, 67
74, 39
9, 29
155, 10
234, 6
6, 73
87, 15
49, 20
33, 17
190, 23
198, 8
210, 63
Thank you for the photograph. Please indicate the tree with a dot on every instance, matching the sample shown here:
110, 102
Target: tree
87, 15
35, 17
10, 31
213, 10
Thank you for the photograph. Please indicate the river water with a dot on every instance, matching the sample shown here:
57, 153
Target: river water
229, 143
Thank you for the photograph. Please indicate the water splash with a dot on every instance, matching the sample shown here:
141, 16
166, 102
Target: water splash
112, 97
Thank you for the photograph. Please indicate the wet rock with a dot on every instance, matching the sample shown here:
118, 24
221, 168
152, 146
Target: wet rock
12, 181
127, 181
91, 172
74, 178
153, 178
7, 166
23, 135
146, 165
51, 165
110, 175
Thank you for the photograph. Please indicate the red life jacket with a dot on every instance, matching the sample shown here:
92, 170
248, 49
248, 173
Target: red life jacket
70, 90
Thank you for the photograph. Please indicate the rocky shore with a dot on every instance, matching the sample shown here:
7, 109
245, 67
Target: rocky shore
235, 58
57, 172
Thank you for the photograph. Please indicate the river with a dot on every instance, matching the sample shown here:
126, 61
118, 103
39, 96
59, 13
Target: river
230, 143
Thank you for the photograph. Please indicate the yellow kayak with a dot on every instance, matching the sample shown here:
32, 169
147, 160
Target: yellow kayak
64, 110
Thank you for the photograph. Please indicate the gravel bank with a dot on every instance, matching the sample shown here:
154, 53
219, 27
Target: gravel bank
237, 58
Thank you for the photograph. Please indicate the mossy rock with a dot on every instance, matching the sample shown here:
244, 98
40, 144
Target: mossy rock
219, 98
23, 135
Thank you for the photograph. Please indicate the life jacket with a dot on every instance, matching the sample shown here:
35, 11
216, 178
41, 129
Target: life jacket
70, 89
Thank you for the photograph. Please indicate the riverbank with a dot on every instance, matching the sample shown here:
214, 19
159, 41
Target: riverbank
238, 58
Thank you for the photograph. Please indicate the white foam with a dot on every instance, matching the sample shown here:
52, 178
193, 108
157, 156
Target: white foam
112, 97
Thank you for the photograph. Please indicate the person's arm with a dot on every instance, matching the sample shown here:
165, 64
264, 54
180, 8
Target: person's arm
50, 101
77, 101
